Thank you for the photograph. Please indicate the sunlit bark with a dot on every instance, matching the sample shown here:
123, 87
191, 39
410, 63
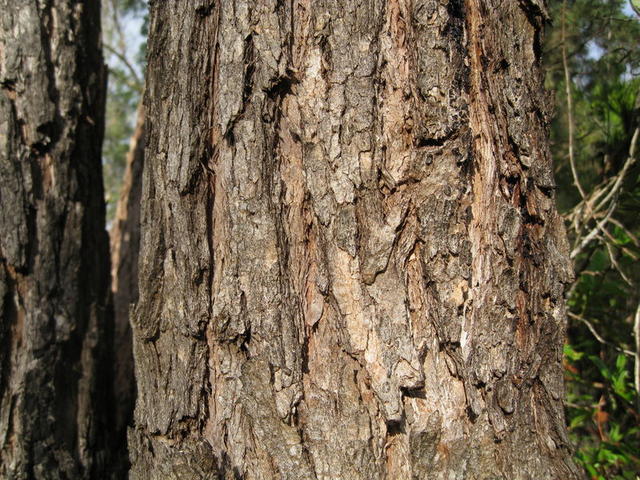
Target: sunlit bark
352, 266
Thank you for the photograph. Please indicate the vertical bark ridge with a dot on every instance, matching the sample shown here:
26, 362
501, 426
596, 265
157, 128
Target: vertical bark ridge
54, 312
520, 252
351, 294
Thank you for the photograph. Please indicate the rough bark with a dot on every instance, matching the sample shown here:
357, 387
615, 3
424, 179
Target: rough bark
54, 263
352, 266
125, 245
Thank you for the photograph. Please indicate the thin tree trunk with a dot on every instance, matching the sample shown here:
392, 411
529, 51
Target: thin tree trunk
352, 266
125, 245
54, 265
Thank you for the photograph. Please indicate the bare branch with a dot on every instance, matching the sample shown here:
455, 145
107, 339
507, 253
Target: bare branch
137, 82
599, 337
628, 233
593, 233
568, 83
627, 165
617, 266
636, 334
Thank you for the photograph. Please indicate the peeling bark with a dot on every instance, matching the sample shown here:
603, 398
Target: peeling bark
351, 261
54, 264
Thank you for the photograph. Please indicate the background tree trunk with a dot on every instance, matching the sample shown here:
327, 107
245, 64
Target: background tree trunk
125, 246
54, 265
352, 266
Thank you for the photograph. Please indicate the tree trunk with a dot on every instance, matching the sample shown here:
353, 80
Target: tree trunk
352, 266
54, 264
125, 246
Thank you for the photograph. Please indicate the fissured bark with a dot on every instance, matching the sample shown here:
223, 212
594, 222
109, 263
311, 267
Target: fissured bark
352, 265
55, 401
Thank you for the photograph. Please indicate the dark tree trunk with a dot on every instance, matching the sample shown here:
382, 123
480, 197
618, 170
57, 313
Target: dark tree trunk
352, 266
125, 245
54, 264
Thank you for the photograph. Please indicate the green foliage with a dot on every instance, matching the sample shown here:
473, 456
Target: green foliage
119, 125
125, 85
603, 63
604, 430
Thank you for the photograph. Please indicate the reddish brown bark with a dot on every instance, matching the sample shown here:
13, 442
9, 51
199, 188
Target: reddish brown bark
352, 265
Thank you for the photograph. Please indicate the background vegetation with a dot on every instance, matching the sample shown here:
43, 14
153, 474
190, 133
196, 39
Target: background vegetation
593, 72
124, 24
593, 66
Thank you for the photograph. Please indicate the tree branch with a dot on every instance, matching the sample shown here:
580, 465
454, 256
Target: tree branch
137, 82
599, 337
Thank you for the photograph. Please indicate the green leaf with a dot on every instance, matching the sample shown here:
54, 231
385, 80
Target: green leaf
621, 362
602, 368
579, 419
571, 353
